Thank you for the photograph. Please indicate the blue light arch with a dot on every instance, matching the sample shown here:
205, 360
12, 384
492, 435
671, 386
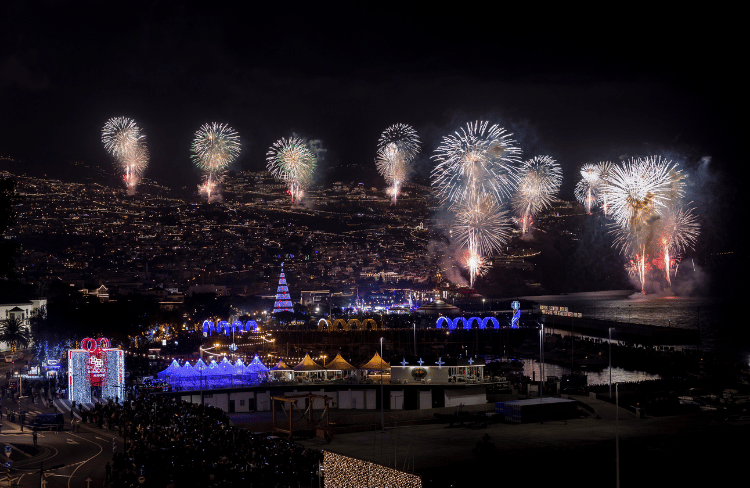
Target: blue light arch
467, 324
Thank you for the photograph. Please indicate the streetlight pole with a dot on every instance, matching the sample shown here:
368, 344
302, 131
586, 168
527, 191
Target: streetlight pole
382, 415
617, 434
414, 324
541, 361
610, 361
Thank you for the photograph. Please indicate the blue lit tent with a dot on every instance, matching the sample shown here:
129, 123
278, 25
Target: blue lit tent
256, 370
200, 365
172, 369
190, 377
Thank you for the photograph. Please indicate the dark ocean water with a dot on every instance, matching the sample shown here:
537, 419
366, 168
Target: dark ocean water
722, 325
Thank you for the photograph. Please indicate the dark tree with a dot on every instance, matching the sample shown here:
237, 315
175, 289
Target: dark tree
8, 248
13, 332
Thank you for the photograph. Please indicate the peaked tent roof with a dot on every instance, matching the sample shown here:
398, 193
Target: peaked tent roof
307, 364
376, 363
256, 366
280, 366
173, 368
339, 363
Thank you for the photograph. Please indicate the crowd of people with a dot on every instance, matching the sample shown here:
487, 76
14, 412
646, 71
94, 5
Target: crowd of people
172, 443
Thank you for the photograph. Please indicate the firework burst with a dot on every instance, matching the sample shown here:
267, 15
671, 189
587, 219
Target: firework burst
291, 161
123, 139
539, 179
214, 148
587, 189
476, 170
397, 147
482, 228
476, 161
677, 231
639, 192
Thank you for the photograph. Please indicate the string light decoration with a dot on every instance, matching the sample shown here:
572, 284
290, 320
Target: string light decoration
346, 472
107, 370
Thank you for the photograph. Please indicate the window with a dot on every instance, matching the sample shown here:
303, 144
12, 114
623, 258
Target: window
242, 403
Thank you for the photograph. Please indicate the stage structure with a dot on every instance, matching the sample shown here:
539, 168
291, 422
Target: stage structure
96, 366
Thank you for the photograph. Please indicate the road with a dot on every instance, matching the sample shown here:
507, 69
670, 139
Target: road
83, 454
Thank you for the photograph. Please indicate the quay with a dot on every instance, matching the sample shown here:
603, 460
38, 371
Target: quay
647, 335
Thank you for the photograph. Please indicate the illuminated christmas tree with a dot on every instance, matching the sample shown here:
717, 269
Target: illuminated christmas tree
283, 300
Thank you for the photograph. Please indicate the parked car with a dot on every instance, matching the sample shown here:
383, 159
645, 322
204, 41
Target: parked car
52, 421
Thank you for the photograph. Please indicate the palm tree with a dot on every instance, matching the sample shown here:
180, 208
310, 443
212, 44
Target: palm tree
14, 333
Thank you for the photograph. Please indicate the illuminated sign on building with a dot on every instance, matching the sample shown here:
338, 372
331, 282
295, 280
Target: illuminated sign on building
561, 311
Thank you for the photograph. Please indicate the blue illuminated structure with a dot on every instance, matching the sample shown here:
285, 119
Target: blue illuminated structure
236, 327
516, 314
222, 374
467, 324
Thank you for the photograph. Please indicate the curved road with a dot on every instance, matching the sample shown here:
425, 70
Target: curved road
83, 454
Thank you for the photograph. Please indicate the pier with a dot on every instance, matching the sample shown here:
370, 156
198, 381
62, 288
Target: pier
647, 335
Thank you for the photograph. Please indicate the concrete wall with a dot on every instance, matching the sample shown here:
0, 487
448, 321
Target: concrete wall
345, 398
467, 396
370, 399
425, 399
397, 400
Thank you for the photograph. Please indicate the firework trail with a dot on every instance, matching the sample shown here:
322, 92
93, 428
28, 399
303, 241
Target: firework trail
475, 172
397, 147
123, 139
605, 171
589, 190
293, 162
214, 148
482, 228
639, 192
677, 231
539, 179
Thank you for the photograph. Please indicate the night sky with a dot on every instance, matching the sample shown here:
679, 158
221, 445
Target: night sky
578, 86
